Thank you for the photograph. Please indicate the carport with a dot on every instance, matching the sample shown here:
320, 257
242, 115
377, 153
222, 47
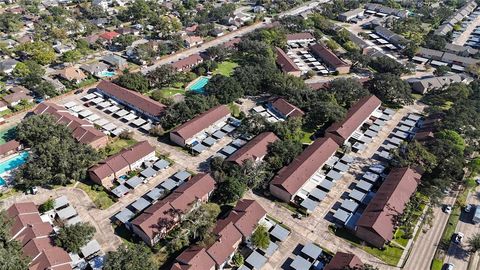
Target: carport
395, 141
280, 233
66, 213
377, 168
375, 128
199, 148
379, 122
139, 122
161, 164
117, 131
385, 154
312, 251
400, 134
74, 220
228, 128
182, 175
347, 159
389, 146
318, 194
156, 193
97, 100
101, 122
364, 185
357, 195
238, 143
326, 185
109, 127
93, 118
129, 117
358, 146
77, 109
309, 204
371, 177
70, 104
370, 133
121, 113
146, 127
404, 128
229, 150
89, 96
148, 172
112, 109
120, 190
60, 202
90, 249
140, 204
104, 104
169, 184
341, 167
219, 134
209, 141
342, 216
333, 175
272, 247
124, 216
256, 260
134, 182
300, 263
349, 206
409, 123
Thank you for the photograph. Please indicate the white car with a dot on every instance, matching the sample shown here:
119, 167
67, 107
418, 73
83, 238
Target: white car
468, 208
449, 266
447, 209
458, 238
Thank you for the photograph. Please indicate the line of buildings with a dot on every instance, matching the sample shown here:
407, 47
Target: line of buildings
255, 150
447, 26
440, 58
229, 233
330, 59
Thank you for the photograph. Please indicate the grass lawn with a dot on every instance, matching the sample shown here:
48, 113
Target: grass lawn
225, 68
87, 82
168, 92
116, 145
454, 216
234, 109
437, 264
306, 137
390, 255
399, 239
100, 198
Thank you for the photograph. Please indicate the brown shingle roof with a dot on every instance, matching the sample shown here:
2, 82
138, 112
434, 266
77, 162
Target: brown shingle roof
228, 239
72, 73
121, 160
389, 202
9, 146
246, 215
194, 258
188, 62
292, 177
82, 131
201, 122
51, 258
21, 221
36, 246
33, 231
287, 109
342, 261
21, 208
285, 62
133, 98
356, 115
254, 149
18, 93
299, 36
328, 56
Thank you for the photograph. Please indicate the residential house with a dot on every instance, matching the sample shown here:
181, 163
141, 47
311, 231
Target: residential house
343, 260
286, 64
170, 210
108, 36
102, 3
300, 38
330, 59
72, 74
356, 116
192, 41
129, 159
255, 150
365, 46
230, 232
351, 14
188, 63
8, 65
423, 85
3, 106
17, 94
115, 61
460, 50
458, 62
63, 48
135, 101
186, 134
455, 18
9, 148
290, 179
56, 83
95, 69
83, 131
380, 9
259, 9
390, 36
377, 224
284, 109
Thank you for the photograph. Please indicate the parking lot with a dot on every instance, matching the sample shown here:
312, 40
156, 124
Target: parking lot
306, 61
469, 31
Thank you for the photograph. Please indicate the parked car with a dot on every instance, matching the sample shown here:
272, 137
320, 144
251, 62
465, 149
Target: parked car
449, 266
447, 209
468, 208
478, 181
458, 237
78, 91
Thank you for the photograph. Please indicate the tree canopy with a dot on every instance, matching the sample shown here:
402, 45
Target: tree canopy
73, 237
134, 257
391, 89
135, 81
11, 255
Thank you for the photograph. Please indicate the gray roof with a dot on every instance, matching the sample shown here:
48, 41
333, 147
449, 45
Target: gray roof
357, 195
347, 159
169, 184
309, 204
299, 263
379, 122
341, 215
395, 141
161, 164
256, 260
94, 67
114, 60
134, 181
125, 215
365, 139
409, 123
342, 167
239, 142
272, 247
140, 204
371, 177
370, 133
228, 128
311, 250
8, 64
375, 128
90, 248
148, 172
209, 141
155, 193
182, 175
74, 220
279, 233
400, 134
229, 150
199, 148
219, 134
364, 185
326, 184
413, 117
318, 194
60, 202
334, 175
66, 213
404, 128
120, 190
349, 206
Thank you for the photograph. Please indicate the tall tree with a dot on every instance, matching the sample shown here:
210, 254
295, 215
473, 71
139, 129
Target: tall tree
347, 91
73, 237
390, 88
225, 89
134, 81
135, 257
260, 237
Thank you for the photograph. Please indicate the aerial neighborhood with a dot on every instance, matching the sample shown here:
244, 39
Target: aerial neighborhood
249, 135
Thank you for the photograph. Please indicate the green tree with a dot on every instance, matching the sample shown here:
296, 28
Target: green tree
390, 88
441, 70
238, 259
134, 81
225, 89
46, 206
72, 56
134, 257
39, 51
10, 23
386, 64
326, 112
414, 154
73, 237
347, 91
474, 242
260, 237
125, 40
229, 191
282, 152
163, 76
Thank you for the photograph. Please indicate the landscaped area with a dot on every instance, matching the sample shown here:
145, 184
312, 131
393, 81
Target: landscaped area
97, 194
225, 68
116, 145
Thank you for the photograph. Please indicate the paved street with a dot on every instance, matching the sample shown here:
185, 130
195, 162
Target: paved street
424, 248
315, 227
459, 254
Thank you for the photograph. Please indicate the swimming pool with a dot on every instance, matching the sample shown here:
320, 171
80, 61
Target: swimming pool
107, 74
199, 85
11, 164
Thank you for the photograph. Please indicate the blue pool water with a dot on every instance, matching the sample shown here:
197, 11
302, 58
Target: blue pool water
199, 85
107, 74
12, 163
